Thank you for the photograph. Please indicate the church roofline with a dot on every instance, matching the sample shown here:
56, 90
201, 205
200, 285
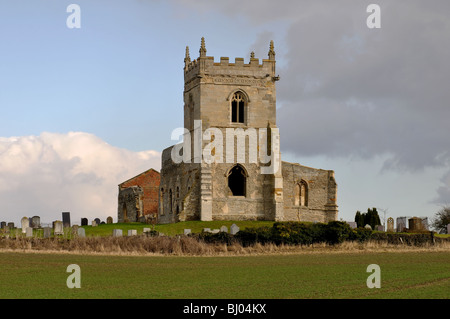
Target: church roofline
130, 179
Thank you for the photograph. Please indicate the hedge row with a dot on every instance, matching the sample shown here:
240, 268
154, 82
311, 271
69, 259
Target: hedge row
300, 233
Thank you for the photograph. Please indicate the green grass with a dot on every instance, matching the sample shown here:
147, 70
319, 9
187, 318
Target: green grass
171, 229
316, 275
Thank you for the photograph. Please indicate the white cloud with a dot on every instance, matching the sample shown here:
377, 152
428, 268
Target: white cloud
77, 172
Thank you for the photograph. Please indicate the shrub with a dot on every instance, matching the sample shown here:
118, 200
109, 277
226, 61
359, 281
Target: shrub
253, 235
360, 234
337, 232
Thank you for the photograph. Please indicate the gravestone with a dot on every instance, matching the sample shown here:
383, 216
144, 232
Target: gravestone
234, 229
132, 232
2, 225
29, 232
47, 232
75, 229
206, 230
66, 219
84, 221
379, 228
215, 231
368, 227
109, 220
25, 223
81, 232
425, 223
390, 224
97, 220
146, 230
35, 222
415, 224
224, 229
117, 232
187, 231
94, 223
11, 225
352, 225
58, 228
401, 224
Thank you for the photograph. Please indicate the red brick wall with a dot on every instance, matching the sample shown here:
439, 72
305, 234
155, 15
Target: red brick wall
149, 182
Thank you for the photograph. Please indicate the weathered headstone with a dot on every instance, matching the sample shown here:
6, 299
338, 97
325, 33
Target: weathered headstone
25, 224
2, 225
234, 229
47, 232
187, 231
109, 220
206, 230
81, 232
368, 226
352, 225
75, 229
94, 223
146, 230
11, 225
117, 232
29, 232
132, 232
35, 222
84, 221
415, 224
390, 224
215, 231
401, 224
224, 229
58, 228
97, 220
66, 219
379, 228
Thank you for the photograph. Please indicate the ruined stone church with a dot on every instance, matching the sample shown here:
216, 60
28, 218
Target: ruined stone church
229, 166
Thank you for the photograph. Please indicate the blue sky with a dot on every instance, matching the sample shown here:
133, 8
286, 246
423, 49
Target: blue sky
88, 108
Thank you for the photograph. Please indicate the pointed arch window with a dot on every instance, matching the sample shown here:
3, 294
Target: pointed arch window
238, 104
237, 181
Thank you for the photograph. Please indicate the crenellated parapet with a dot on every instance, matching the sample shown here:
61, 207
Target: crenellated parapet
205, 66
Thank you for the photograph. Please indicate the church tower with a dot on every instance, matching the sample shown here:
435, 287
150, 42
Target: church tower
229, 165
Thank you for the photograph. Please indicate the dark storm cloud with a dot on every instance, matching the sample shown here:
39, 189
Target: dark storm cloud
347, 90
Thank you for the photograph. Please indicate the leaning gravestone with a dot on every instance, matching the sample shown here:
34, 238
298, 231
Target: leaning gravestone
25, 224
66, 219
47, 232
58, 228
234, 229
29, 232
117, 232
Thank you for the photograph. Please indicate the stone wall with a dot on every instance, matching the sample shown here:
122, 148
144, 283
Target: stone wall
321, 193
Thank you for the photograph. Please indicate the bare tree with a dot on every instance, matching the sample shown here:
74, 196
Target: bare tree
441, 219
